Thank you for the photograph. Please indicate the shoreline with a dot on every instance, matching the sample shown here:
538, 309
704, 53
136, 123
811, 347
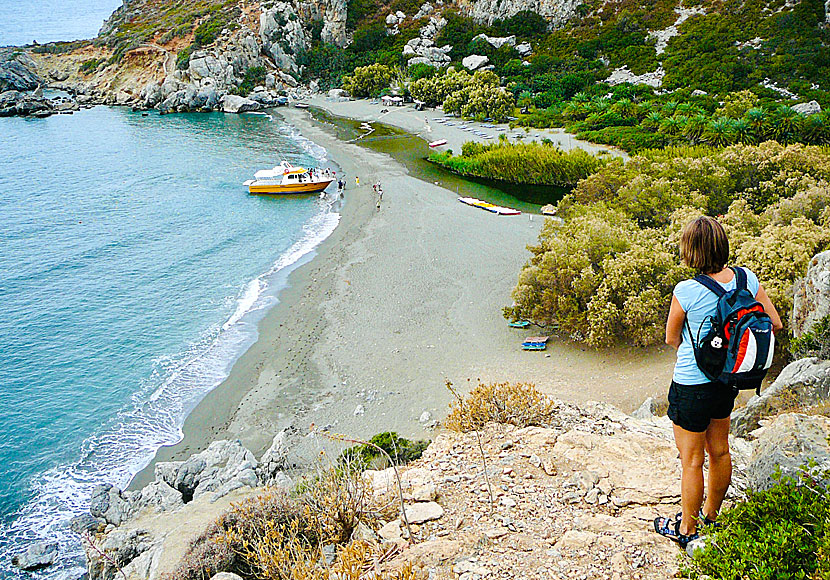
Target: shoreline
390, 306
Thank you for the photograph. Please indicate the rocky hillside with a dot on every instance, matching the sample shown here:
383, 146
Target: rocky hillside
189, 56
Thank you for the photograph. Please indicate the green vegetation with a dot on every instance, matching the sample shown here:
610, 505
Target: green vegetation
401, 450
90, 66
783, 532
534, 163
60, 47
160, 21
815, 342
254, 77
607, 273
369, 81
477, 96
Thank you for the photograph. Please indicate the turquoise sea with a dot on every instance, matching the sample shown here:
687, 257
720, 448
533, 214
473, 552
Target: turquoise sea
24, 21
133, 270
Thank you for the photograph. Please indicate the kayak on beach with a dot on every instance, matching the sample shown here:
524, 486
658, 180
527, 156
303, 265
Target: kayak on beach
497, 209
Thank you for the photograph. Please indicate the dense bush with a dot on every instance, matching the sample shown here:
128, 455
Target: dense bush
519, 404
90, 66
531, 163
815, 342
400, 449
254, 76
607, 273
783, 532
368, 81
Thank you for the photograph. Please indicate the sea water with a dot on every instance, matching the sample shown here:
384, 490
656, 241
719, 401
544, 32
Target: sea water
24, 21
134, 267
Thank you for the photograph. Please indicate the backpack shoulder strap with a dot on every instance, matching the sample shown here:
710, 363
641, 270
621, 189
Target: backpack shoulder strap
710, 284
740, 278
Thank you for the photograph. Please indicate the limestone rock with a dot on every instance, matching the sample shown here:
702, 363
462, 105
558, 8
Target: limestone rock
15, 103
425, 10
524, 49
419, 513
556, 12
225, 576
802, 383
17, 72
237, 104
809, 108
811, 300
275, 459
109, 504
645, 467
789, 442
646, 410
334, 23
221, 468
86, 524
623, 75
37, 556
282, 35
474, 61
121, 548
497, 41
391, 532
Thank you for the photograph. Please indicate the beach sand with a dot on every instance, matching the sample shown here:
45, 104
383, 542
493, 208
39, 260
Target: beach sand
393, 304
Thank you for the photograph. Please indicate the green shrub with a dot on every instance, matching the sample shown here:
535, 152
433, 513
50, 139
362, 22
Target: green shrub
530, 163
183, 57
368, 81
254, 76
90, 66
815, 342
783, 532
401, 450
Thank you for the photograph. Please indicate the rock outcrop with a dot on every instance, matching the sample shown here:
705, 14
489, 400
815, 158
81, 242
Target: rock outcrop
557, 12
808, 108
786, 445
811, 300
423, 51
18, 72
802, 383
282, 35
37, 556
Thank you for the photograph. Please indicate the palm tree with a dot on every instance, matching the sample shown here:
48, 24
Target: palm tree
786, 124
758, 121
580, 97
575, 110
643, 109
625, 108
670, 107
652, 120
695, 127
742, 131
671, 126
686, 109
816, 129
600, 104
719, 132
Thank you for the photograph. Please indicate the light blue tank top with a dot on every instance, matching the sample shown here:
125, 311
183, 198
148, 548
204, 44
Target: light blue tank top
699, 302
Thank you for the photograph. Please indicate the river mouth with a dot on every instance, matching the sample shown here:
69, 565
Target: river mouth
412, 152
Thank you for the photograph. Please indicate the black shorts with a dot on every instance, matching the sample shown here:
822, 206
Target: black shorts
693, 406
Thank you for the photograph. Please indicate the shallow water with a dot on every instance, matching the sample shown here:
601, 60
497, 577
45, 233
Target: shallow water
134, 268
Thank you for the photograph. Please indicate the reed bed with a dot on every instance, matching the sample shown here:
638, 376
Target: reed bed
522, 163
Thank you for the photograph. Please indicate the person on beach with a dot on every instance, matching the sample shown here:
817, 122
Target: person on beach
357, 181
699, 408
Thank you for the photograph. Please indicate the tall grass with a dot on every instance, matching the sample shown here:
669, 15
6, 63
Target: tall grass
523, 163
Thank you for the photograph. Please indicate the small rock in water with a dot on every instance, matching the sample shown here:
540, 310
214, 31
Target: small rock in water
359, 410
39, 555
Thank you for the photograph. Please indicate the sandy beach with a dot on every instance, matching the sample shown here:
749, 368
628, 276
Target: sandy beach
393, 304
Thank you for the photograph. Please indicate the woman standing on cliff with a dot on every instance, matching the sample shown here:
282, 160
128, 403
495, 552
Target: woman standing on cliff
698, 407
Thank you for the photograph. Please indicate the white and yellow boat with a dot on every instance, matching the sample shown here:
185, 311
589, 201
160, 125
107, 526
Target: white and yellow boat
286, 178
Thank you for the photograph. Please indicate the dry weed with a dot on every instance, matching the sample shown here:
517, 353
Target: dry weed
519, 404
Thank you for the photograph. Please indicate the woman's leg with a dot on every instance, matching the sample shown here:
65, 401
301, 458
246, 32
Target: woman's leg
691, 446
720, 465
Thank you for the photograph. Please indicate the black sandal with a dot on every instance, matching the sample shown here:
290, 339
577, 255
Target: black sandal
707, 523
670, 528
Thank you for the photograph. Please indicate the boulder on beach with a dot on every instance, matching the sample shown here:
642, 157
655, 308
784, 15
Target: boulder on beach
237, 104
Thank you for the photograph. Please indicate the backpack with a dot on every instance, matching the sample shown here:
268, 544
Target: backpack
737, 349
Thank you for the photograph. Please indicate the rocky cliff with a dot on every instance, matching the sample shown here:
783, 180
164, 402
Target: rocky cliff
574, 497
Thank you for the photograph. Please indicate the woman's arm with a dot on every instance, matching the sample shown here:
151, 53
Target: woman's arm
674, 324
762, 297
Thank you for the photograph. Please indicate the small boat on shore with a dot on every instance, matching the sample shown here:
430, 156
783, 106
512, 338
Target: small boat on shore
438, 143
286, 179
497, 209
300, 106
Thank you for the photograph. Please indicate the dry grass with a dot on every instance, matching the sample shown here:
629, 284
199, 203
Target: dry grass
280, 536
519, 404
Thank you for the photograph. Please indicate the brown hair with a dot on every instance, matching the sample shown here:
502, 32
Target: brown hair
704, 245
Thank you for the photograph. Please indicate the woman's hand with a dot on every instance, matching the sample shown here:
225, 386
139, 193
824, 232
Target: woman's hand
674, 324
762, 297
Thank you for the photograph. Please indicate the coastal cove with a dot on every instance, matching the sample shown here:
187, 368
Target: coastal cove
394, 303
